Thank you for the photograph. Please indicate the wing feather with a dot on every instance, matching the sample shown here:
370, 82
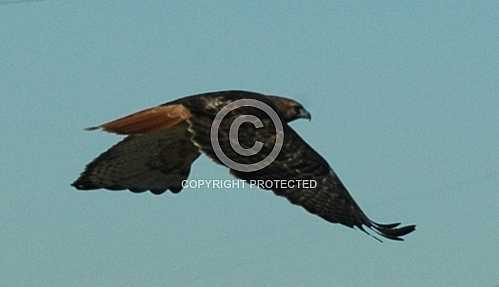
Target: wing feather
155, 161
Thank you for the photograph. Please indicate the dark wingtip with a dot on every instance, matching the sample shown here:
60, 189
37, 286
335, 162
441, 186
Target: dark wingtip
83, 184
391, 231
390, 225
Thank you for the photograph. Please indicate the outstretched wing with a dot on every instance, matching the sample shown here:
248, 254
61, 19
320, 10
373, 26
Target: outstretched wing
297, 161
330, 199
156, 156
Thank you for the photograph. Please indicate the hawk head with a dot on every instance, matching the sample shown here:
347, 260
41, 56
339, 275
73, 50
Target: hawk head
290, 109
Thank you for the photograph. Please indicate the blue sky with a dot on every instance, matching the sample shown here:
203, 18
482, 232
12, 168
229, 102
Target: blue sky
404, 98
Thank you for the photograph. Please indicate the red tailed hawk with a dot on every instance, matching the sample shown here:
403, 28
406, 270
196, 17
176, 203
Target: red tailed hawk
162, 142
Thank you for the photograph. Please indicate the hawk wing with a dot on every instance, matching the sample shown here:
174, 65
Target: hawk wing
156, 156
330, 199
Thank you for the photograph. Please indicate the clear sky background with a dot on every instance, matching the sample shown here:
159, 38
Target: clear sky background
405, 104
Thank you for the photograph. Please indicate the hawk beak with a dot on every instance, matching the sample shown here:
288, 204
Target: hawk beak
304, 114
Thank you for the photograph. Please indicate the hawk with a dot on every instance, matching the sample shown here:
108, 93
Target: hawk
162, 142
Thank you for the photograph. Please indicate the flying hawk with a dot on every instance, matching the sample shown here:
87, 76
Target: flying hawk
162, 142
